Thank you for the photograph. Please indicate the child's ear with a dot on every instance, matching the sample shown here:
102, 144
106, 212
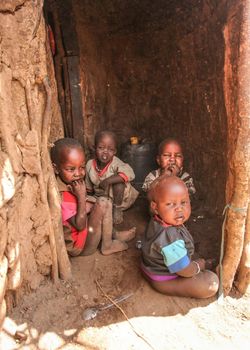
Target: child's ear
55, 168
153, 207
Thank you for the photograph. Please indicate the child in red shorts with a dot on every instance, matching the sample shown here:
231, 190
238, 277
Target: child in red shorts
86, 221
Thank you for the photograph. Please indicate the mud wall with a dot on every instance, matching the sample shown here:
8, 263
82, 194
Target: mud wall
28, 102
155, 69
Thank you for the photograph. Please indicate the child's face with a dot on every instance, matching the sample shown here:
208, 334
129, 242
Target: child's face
105, 149
173, 204
71, 166
171, 156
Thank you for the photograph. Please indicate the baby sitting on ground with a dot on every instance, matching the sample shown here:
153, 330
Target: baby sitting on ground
168, 247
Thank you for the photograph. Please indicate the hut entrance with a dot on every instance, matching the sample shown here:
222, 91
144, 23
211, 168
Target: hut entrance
149, 69
152, 70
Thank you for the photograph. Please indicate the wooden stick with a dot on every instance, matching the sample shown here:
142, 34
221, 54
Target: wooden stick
124, 314
243, 277
29, 103
55, 210
236, 220
46, 117
45, 166
39, 16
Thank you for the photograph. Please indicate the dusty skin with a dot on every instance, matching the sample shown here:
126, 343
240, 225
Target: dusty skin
52, 317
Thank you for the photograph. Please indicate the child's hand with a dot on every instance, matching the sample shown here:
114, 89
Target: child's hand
202, 263
174, 169
78, 188
104, 184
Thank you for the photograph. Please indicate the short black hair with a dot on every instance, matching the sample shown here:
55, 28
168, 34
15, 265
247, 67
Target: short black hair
100, 134
166, 141
62, 144
159, 183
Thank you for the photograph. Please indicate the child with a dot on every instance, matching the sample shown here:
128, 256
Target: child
82, 232
168, 247
170, 161
108, 176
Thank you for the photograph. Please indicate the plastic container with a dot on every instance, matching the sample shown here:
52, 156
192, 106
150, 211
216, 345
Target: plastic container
141, 157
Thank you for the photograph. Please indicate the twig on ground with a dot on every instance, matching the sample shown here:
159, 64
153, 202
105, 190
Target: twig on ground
124, 314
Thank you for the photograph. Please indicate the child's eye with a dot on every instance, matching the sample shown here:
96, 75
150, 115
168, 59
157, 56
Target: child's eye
178, 155
70, 169
101, 148
170, 204
167, 155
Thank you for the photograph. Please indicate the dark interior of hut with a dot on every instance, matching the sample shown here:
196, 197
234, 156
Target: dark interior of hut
150, 69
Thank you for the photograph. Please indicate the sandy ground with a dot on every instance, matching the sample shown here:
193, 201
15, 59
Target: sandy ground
52, 317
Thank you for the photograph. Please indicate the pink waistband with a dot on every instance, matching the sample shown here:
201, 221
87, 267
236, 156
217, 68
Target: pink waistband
157, 278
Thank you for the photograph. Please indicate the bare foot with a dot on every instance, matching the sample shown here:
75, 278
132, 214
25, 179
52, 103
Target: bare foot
115, 247
125, 236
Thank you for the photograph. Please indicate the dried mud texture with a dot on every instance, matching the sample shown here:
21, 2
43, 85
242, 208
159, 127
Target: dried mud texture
25, 222
154, 70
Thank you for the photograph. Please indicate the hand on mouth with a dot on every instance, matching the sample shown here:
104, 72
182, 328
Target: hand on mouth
173, 169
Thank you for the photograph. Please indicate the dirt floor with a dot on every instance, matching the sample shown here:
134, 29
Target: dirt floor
52, 316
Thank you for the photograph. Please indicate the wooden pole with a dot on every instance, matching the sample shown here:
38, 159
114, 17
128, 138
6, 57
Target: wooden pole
243, 276
60, 258
236, 220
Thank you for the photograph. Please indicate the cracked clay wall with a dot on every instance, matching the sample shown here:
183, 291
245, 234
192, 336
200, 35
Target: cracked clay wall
27, 87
